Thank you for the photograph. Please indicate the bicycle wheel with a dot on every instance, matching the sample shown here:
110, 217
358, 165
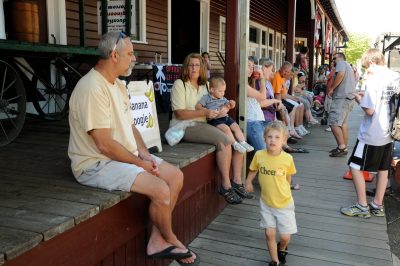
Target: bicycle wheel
12, 103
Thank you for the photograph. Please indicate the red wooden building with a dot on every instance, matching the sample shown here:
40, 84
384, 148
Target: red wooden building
109, 228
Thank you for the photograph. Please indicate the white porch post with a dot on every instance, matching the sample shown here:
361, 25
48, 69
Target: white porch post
244, 13
57, 21
2, 28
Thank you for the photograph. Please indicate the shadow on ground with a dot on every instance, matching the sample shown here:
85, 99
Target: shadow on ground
392, 209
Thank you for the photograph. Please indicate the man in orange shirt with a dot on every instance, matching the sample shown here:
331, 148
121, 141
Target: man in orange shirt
294, 108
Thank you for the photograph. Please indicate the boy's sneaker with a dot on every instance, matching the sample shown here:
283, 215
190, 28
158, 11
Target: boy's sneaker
282, 254
273, 263
247, 146
376, 210
237, 147
356, 210
241, 191
230, 195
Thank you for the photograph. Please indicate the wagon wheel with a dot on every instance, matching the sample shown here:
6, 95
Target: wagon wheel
50, 98
12, 103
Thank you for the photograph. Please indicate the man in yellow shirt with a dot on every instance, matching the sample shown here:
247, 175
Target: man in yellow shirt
107, 151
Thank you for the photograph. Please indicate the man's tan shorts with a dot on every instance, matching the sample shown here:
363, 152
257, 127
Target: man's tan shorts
112, 175
340, 111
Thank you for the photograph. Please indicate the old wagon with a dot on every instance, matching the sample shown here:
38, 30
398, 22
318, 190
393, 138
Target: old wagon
47, 46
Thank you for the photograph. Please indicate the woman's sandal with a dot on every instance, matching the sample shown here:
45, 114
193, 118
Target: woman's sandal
294, 134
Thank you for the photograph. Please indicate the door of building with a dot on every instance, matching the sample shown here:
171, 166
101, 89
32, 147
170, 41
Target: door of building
185, 29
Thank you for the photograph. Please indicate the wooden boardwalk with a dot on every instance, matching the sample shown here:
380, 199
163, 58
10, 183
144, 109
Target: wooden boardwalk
325, 237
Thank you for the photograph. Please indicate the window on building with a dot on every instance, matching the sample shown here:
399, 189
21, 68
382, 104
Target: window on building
271, 45
116, 18
263, 52
278, 55
271, 39
138, 23
264, 38
271, 54
265, 42
253, 34
222, 34
283, 48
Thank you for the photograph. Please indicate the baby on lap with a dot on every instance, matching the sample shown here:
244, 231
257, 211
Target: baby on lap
214, 101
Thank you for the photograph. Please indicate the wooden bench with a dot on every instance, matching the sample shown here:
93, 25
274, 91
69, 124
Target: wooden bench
46, 217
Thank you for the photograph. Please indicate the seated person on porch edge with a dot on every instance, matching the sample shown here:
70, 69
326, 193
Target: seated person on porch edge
107, 151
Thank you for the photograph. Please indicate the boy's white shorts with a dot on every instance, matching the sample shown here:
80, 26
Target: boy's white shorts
282, 219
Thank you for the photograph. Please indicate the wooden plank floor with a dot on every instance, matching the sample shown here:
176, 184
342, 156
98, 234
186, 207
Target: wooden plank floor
325, 237
39, 197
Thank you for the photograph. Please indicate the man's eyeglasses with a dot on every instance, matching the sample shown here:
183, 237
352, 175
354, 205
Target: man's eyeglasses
194, 65
122, 35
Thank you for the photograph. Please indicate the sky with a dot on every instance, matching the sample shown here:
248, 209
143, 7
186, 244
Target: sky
370, 17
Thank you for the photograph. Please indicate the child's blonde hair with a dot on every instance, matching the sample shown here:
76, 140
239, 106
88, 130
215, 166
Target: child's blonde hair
278, 126
215, 81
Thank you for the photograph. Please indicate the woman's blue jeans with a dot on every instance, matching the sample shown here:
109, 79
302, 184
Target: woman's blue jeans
255, 134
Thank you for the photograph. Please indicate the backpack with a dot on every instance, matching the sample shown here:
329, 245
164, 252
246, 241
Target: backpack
394, 105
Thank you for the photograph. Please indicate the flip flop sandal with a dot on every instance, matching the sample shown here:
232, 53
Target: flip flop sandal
194, 263
168, 254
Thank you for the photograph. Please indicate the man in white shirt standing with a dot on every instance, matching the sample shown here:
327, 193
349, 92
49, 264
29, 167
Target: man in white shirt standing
374, 146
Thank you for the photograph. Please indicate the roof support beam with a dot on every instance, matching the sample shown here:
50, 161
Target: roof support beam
231, 71
291, 32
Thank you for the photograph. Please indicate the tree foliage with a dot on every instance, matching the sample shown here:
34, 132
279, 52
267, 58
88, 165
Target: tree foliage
357, 45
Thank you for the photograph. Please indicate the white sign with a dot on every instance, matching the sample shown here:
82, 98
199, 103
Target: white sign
144, 112
116, 17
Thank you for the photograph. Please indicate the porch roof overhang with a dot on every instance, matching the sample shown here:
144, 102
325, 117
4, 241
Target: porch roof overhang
331, 10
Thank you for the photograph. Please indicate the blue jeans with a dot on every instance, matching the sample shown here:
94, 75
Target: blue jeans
255, 134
